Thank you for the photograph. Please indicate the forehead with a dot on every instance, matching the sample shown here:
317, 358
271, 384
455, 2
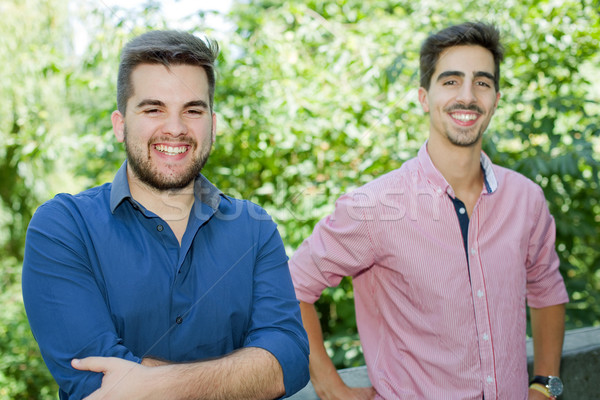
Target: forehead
181, 82
465, 59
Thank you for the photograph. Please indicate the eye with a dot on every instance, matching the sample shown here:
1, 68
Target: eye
451, 82
151, 111
195, 112
483, 84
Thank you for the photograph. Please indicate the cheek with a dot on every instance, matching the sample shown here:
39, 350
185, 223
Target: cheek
491, 102
140, 130
203, 130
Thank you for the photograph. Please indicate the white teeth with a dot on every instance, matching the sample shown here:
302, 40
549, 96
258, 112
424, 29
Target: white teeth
464, 117
170, 150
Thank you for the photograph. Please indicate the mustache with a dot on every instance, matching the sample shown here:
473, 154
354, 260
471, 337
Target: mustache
183, 140
460, 107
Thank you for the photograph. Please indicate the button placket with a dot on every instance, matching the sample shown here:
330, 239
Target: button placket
480, 305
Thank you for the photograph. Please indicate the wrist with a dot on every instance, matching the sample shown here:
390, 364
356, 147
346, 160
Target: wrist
328, 386
538, 387
550, 386
153, 362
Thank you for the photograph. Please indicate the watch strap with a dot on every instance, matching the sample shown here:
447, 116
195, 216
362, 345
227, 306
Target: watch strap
542, 380
542, 389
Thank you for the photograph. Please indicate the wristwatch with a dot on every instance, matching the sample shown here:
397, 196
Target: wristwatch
552, 383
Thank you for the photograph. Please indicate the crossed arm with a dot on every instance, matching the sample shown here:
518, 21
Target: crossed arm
65, 293
249, 373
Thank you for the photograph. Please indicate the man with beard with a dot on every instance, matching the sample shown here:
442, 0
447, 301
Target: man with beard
157, 285
444, 252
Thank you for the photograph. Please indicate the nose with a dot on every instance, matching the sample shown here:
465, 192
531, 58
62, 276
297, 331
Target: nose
466, 94
175, 126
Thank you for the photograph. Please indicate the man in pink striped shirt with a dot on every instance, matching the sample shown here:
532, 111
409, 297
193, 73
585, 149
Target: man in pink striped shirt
445, 253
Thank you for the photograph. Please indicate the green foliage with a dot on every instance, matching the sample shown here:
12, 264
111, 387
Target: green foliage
314, 98
23, 374
31, 50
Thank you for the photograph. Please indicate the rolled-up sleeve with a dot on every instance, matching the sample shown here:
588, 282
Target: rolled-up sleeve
276, 324
545, 285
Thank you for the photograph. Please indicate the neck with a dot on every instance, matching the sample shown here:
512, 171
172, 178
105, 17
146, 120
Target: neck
173, 206
460, 166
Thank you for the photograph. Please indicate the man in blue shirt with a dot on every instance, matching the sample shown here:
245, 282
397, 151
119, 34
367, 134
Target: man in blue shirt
157, 285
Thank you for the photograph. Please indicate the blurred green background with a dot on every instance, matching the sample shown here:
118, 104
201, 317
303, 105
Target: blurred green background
314, 98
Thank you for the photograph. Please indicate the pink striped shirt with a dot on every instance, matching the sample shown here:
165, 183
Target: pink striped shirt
428, 330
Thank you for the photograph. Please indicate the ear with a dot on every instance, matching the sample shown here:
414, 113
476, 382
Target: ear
214, 127
423, 99
498, 95
118, 123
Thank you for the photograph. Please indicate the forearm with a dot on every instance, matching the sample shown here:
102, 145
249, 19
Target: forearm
249, 373
323, 373
548, 330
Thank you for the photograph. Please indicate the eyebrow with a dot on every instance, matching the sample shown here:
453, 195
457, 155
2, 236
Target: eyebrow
159, 103
150, 102
477, 74
196, 103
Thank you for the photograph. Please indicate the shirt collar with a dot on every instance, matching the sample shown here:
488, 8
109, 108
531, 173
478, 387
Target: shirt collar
208, 193
120, 188
491, 184
437, 179
204, 190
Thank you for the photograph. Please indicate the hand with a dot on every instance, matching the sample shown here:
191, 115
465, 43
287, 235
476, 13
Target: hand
364, 393
347, 393
536, 395
122, 379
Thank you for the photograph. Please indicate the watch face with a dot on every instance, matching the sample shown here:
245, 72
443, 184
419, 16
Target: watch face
555, 386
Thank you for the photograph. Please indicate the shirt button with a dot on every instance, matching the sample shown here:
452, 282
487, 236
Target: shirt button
473, 251
159, 228
178, 320
489, 379
480, 293
462, 210
485, 336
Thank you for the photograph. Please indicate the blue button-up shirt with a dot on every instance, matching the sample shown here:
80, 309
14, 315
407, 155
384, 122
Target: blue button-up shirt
103, 276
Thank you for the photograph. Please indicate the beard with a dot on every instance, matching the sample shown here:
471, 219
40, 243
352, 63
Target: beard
465, 137
139, 159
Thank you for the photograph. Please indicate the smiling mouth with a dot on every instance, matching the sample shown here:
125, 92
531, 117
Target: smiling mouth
171, 150
464, 117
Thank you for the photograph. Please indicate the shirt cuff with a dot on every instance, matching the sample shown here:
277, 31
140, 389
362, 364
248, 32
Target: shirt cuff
290, 352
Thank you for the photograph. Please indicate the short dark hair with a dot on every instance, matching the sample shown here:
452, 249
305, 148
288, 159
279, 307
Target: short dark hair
466, 34
166, 48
